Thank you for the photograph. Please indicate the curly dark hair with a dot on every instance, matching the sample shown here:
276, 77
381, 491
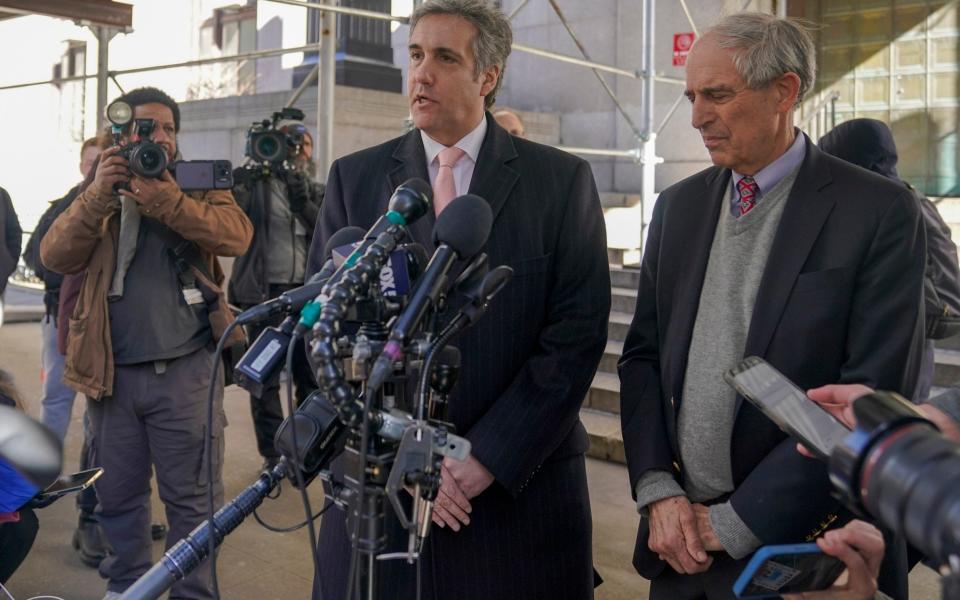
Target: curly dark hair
149, 95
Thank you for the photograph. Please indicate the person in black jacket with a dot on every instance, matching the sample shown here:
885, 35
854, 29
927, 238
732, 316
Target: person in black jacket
282, 203
12, 240
868, 143
57, 398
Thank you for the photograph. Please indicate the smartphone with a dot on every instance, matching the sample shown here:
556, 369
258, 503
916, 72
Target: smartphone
787, 569
71, 483
194, 175
787, 405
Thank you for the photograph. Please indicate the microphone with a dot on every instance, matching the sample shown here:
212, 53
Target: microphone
404, 266
411, 200
263, 360
29, 447
460, 232
293, 300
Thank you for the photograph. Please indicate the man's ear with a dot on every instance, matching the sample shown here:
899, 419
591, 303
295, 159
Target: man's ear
489, 78
788, 90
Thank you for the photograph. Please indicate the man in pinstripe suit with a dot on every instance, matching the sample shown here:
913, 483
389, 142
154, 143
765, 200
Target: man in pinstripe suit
513, 521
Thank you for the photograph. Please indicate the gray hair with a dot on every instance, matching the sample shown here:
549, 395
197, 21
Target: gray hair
494, 39
767, 47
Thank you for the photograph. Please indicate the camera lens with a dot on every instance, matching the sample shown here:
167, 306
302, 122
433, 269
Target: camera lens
148, 159
268, 147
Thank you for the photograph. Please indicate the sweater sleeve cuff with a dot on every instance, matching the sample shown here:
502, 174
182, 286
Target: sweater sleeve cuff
654, 486
734, 535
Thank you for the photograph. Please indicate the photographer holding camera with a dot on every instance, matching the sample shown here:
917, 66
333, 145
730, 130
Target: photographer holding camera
142, 332
858, 544
275, 191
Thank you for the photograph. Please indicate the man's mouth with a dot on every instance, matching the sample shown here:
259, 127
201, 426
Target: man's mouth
421, 100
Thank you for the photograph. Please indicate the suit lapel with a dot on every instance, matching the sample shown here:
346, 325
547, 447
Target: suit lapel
493, 179
411, 162
807, 209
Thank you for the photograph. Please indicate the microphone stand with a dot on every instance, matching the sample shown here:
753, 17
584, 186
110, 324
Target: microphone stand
187, 554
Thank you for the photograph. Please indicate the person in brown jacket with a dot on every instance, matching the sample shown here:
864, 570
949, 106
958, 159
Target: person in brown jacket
140, 344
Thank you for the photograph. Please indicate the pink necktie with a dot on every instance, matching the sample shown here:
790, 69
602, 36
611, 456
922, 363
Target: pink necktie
444, 188
748, 194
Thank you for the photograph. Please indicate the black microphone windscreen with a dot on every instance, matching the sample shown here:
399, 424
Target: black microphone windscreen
464, 225
418, 259
412, 199
347, 235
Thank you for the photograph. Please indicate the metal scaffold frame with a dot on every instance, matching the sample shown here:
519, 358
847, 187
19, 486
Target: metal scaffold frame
324, 74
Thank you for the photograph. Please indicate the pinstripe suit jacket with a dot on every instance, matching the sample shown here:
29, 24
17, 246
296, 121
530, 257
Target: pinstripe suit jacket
526, 367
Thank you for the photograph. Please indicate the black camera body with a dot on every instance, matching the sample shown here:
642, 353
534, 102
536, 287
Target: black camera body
145, 158
269, 146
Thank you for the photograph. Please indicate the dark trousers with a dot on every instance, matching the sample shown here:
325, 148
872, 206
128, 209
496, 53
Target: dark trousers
156, 417
266, 410
16, 539
714, 584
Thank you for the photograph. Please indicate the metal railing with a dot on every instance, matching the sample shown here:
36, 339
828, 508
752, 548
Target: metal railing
822, 116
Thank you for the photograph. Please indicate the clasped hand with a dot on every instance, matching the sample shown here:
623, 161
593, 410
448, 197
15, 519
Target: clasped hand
681, 534
459, 483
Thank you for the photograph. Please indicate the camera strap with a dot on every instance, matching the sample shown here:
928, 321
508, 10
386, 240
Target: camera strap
186, 254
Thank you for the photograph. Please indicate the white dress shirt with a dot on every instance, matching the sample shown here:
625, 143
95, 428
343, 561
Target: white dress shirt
463, 170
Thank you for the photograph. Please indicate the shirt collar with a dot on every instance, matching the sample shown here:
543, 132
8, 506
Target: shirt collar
770, 175
469, 143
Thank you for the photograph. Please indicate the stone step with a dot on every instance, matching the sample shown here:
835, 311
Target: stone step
946, 372
623, 299
604, 394
619, 200
618, 325
611, 354
606, 439
615, 255
624, 277
949, 343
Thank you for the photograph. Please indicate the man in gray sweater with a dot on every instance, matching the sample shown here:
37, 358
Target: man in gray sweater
776, 251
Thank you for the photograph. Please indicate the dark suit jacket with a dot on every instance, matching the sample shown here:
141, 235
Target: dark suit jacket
526, 368
839, 301
12, 239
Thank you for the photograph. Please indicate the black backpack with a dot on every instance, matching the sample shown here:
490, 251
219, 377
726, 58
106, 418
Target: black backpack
941, 277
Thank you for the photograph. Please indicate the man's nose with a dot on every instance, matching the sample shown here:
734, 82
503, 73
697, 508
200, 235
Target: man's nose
423, 73
700, 115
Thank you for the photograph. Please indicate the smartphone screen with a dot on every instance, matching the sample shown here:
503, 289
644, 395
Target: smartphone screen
203, 174
787, 405
787, 569
72, 483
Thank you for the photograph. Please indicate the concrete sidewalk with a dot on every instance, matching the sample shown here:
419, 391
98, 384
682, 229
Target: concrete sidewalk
256, 563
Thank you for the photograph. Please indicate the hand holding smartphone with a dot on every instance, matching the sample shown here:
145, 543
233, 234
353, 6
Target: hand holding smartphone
787, 405
787, 569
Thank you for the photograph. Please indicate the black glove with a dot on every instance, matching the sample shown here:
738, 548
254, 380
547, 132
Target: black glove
296, 191
41, 500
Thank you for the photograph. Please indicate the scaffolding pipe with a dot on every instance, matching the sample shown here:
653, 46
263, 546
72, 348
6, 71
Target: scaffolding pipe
345, 10
103, 71
188, 63
603, 82
648, 144
326, 82
631, 154
514, 12
686, 11
307, 81
673, 109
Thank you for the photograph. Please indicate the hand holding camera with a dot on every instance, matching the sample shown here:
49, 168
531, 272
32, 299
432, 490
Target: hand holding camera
296, 190
152, 194
112, 172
